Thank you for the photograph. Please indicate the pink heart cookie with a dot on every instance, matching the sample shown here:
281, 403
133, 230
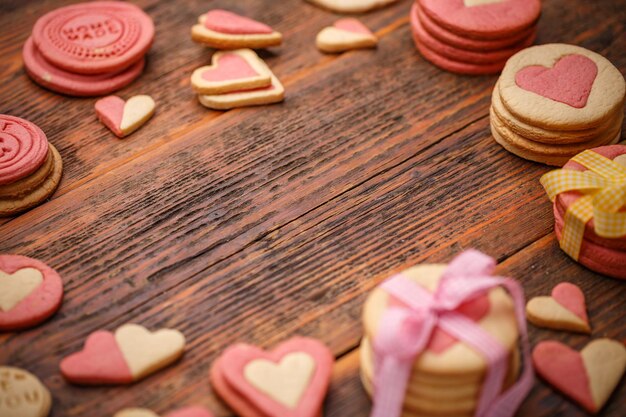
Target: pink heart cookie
222, 29
30, 292
565, 309
346, 34
124, 117
190, 412
227, 22
569, 81
290, 381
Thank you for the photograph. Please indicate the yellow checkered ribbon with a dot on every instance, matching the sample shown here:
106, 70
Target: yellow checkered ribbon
604, 194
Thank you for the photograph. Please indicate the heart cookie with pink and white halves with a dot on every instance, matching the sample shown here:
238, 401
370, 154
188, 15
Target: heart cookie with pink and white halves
129, 354
564, 309
124, 117
345, 35
290, 381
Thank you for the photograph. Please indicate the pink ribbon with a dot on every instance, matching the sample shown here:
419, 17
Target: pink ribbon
405, 331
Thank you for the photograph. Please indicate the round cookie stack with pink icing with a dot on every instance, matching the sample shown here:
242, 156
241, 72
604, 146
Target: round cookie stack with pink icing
473, 36
554, 101
89, 49
30, 167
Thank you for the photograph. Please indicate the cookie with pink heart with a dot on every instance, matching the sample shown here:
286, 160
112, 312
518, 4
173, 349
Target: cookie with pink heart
125, 117
222, 29
564, 309
289, 381
345, 35
30, 292
129, 354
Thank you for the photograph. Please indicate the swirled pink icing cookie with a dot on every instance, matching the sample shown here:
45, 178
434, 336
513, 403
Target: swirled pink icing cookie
344, 35
564, 309
23, 148
230, 71
290, 381
222, 29
128, 355
352, 6
124, 117
94, 38
30, 292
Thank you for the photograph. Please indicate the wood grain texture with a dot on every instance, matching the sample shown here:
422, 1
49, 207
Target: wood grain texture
256, 224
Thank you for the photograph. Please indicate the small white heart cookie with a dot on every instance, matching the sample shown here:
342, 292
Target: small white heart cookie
345, 35
124, 117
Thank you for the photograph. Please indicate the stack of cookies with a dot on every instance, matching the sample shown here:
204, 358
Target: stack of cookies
554, 101
89, 49
446, 379
30, 167
473, 36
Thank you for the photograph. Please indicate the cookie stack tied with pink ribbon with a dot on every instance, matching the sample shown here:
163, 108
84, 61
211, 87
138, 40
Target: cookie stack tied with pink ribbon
446, 340
473, 36
89, 49
555, 101
589, 195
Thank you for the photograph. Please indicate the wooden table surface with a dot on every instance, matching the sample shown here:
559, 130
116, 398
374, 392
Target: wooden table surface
258, 224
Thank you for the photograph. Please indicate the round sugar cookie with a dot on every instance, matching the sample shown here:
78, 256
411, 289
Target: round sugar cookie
94, 38
72, 84
483, 19
22, 394
23, 148
561, 87
25, 186
445, 356
15, 205
352, 6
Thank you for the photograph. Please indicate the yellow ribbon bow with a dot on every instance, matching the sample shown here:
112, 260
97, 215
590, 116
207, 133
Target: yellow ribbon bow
604, 195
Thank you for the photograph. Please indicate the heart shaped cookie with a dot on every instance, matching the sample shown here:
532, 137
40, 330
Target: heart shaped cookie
230, 71
22, 394
345, 35
184, 412
124, 117
30, 292
569, 81
565, 309
222, 29
474, 3
588, 377
290, 381
131, 354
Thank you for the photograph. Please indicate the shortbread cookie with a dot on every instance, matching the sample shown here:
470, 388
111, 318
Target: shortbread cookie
22, 394
352, 6
128, 355
231, 71
94, 38
588, 377
124, 117
290, 381
222, 29
27, 185
562, 87
345, 35
135, 412
184, 412
564, 309
30, 292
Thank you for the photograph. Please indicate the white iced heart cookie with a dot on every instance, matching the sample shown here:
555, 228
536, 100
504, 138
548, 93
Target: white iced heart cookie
22, 394
15, 287
352, 6
284, 382
345, 35
124, 117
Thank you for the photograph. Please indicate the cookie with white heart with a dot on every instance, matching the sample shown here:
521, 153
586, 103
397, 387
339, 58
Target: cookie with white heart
231, 71
564, 309
587, 377
22, 394
128, 355
345, 35
290, 381
30, 292
352, 6
222, 29
124, 117
183, 412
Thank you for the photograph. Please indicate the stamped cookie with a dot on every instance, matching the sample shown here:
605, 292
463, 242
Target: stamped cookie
128, 355
588, 377
124, 117
345, 35
275, 93
564, 309
222, 29
30, 292
24, 148
22, 394
352, 6
231, 71
290, 381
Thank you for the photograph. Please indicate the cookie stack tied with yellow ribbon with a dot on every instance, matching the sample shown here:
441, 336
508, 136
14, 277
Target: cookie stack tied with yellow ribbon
473, 36
30, 167
444, 340
555, 101
589, 196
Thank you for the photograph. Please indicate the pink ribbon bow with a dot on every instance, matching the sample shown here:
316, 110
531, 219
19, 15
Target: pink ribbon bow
405, 331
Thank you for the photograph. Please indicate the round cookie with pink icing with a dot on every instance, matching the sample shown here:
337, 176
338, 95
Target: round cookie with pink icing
222, 29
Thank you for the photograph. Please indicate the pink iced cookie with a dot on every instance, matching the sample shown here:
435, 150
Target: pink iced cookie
190, 412
290, 381
79, 85
483, 19
30, 292
23, 148
222, 29
227, 22
344, 35
124, 117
